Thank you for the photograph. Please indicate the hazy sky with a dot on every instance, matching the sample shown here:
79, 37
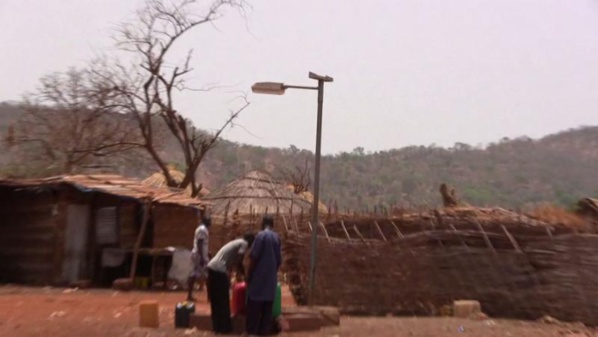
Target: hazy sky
407, 72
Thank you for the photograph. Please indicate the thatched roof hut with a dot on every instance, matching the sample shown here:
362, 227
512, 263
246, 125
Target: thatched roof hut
159, 181
256, 192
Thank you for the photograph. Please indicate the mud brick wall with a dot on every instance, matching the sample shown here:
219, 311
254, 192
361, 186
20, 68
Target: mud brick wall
174, 225
28, 234
418, 274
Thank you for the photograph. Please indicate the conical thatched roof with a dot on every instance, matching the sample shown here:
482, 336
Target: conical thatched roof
157, 180
307, 195
255, 192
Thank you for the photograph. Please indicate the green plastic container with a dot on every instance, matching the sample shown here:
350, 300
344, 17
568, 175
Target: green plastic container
277, 308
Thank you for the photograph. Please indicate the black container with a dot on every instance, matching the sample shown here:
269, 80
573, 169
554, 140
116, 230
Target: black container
182, 314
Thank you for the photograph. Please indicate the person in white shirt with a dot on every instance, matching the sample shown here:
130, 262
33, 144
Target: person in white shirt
199, 254
229, 257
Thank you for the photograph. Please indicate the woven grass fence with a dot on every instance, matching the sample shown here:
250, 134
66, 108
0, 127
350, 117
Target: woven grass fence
516, 268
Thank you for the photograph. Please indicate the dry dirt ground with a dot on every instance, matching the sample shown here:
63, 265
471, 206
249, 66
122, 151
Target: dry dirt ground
56, 312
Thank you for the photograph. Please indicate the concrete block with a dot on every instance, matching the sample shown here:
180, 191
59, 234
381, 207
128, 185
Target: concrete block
294, 319
203, 322
330, 316
466, 308
149, 314
300, 322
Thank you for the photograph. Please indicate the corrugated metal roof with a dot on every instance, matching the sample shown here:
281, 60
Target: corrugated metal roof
115, 185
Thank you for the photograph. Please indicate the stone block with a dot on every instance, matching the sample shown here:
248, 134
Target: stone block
203, 322
466, 308
300, 322
330, 316
293, 319
149, 314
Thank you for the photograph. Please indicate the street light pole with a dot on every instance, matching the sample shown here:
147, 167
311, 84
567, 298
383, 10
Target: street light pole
315, 221
275, 88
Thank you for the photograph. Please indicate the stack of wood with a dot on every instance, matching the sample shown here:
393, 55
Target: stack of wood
463, 218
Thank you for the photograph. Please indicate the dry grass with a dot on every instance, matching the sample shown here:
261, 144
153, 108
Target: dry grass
553, 214
157, 180
307, 195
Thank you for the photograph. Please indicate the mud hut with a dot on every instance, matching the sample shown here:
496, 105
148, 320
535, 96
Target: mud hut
255, 193
158, 180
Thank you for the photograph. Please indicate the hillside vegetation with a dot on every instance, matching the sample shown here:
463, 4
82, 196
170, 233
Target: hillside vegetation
512, 172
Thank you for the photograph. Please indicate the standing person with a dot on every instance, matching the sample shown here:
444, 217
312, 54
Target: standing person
219, 269
262, 278
199, 254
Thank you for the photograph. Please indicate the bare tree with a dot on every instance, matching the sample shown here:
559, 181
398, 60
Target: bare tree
147, 89
66, 123
299, 176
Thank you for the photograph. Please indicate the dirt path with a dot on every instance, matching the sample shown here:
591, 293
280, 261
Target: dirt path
60, 312
53, 312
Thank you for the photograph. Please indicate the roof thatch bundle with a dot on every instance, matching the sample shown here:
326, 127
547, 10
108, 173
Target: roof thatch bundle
158, 180
588, 206
307, 195
258, 193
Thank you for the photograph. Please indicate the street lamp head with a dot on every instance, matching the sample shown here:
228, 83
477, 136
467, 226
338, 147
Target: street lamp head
268, 88
320, 77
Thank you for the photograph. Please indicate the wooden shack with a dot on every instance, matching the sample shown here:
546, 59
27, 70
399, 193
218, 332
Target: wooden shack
65, 229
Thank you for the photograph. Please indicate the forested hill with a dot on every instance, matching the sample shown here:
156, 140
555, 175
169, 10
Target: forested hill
558, 168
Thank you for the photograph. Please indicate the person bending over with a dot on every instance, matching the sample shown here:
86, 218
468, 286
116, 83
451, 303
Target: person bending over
230, 256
